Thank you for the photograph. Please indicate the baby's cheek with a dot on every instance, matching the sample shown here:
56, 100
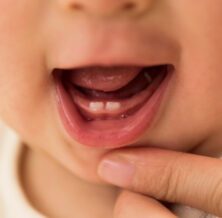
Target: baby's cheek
18, 15
24, 80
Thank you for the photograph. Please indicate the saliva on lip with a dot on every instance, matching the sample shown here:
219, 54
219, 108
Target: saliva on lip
123, 116
148, 77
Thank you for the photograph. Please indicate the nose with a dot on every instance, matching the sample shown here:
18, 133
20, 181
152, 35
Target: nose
108, 8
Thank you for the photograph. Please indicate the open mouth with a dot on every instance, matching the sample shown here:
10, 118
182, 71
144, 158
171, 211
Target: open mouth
110, 106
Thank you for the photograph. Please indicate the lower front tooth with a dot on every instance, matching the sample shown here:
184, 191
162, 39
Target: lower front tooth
111, 106
96, 106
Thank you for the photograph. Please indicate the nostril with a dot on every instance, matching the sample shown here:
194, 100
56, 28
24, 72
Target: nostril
128, 6
77, 6
104, 8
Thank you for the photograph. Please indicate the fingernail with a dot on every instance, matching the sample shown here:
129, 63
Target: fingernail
117, 170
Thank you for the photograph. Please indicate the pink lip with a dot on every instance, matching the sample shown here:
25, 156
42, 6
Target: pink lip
116, 133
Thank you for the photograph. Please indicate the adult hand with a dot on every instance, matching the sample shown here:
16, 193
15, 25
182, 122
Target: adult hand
170, 176
134, 205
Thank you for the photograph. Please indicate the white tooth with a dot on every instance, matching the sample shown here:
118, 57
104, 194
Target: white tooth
111, 106
96, 106
148, 77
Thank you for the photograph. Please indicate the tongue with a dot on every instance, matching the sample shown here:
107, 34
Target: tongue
104, 78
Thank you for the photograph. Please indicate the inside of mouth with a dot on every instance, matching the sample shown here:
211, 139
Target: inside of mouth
139, 83
142, 81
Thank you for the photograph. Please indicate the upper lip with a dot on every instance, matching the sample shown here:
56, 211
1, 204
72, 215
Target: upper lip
114, 46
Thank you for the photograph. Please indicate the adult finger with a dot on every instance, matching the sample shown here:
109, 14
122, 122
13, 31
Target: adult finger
171, 176
131, 205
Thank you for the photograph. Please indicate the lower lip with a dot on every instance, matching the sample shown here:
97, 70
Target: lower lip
113, 134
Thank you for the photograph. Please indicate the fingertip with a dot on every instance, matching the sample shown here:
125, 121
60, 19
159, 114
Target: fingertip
117, 171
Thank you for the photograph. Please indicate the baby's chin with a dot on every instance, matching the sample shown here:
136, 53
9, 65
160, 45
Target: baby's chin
86, 162
88, 171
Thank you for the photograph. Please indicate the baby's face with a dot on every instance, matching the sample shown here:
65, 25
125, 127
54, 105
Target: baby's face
180, 111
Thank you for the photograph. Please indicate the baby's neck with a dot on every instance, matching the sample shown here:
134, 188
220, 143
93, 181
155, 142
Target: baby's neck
57, 193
